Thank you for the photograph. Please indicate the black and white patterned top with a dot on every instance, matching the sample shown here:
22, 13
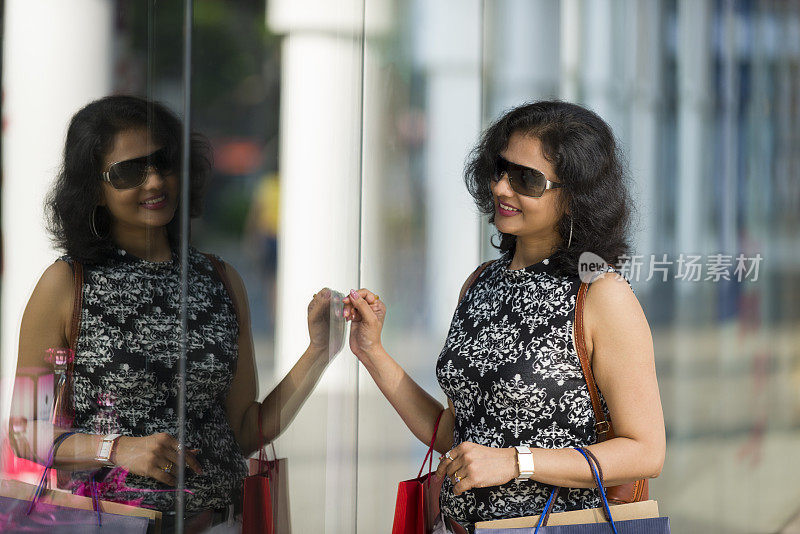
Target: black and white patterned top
126, 369
511, 369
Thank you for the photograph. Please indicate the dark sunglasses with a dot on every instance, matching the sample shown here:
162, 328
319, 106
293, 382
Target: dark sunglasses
133, 172
523, 180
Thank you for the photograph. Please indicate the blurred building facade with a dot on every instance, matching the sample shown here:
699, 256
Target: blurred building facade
367, 109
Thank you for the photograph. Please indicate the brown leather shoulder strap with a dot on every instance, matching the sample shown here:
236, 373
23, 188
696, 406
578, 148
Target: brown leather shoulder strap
592, 459
625, 493
219, 268
77, 304
474, 276
602, 424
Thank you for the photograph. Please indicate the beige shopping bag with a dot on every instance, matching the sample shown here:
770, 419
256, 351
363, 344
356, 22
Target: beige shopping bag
621, 512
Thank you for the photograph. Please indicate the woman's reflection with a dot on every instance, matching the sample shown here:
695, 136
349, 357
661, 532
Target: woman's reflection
113, 212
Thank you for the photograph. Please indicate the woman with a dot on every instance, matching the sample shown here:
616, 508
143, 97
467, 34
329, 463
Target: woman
549, 177
113, 210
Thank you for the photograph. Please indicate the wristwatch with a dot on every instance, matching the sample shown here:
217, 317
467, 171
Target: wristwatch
106, 449
525, 463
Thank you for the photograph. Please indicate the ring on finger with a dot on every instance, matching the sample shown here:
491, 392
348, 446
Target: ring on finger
168, 468
456, 478
447, 455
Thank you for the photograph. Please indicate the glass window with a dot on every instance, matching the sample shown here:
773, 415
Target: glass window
336, 134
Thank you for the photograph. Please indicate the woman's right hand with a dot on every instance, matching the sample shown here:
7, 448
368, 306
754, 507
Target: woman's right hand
149, 455
366, 312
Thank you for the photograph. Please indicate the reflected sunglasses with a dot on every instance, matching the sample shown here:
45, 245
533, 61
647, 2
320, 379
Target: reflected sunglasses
523, 180
133, 172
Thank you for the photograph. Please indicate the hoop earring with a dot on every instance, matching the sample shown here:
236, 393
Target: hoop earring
93, 224
570, 233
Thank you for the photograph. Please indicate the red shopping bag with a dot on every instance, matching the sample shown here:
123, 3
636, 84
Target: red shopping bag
418, 499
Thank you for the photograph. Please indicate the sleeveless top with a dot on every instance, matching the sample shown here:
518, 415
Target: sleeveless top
126, 365
510, 367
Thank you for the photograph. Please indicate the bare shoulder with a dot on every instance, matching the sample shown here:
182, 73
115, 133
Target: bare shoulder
55, 284
613, 313
237, 284
58, 272
239, 291
611, 294
46, 321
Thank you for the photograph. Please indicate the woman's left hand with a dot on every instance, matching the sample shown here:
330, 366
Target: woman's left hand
476, 466
319, 320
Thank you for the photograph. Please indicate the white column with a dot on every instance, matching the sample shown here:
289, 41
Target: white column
602, 66
570, 51
57, 56
446, 46
643, 82
691, 214
524, 56
733, 48
320, 158
694, 67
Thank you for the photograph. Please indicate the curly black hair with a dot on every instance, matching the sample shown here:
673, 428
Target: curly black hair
582, 149
71, 203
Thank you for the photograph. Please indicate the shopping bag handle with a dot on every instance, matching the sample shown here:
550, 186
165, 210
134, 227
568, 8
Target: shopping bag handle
262, 454
594, 465
598, 477
429, 455
50, 459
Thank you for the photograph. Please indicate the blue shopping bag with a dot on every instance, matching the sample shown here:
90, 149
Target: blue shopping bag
655, 525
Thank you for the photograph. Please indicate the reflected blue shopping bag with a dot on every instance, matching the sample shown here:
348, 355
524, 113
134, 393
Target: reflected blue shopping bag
653, 525
26, 513
52, 519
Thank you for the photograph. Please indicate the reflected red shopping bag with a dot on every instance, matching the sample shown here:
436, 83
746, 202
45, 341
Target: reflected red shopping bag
257, 505
265, 499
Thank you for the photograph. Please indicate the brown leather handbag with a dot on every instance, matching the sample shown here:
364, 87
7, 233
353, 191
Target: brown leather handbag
625, 493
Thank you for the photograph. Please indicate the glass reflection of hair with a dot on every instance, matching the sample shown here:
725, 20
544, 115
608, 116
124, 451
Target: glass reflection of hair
119, 128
